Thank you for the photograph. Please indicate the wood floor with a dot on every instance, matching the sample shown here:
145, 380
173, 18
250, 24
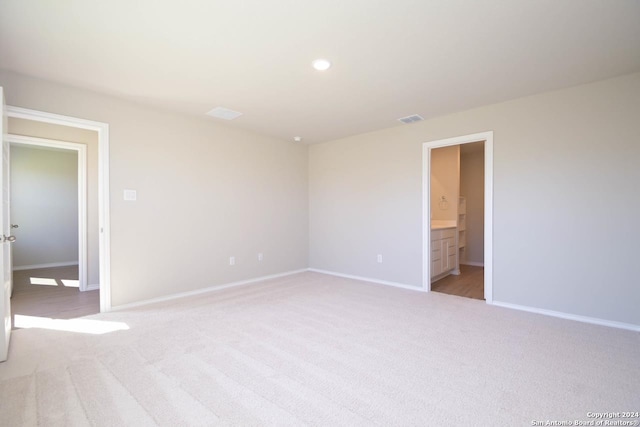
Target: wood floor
469, 283
51, 293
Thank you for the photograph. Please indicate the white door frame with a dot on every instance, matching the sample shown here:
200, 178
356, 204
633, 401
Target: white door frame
487, 137
103, 185
81, 150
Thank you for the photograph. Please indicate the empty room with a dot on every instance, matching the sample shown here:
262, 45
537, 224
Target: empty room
320, 213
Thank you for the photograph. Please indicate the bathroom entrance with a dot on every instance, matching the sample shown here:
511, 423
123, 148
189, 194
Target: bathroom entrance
457, 209
458, 246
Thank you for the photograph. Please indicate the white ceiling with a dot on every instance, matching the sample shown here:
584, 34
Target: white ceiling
390, 58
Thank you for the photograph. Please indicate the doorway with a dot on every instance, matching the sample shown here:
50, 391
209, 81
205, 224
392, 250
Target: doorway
55, 258
447, 250
457, 173
102, 196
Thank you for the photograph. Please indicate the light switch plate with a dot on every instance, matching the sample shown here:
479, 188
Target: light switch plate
130, 195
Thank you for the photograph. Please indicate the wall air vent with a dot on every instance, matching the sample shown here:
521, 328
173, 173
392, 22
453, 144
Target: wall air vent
411, 119
223, 113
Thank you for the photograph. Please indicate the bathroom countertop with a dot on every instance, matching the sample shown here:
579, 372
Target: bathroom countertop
439, 224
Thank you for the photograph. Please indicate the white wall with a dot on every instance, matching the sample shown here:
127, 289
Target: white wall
472, 188
565, 178
206, 191
44, 203
565, 199
445, 182
90, 139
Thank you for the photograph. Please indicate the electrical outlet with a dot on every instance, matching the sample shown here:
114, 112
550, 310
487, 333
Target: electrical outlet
260, 257
380, 258
232, 260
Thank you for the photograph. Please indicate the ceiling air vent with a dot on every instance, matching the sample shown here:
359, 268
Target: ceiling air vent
223, 113
411, 119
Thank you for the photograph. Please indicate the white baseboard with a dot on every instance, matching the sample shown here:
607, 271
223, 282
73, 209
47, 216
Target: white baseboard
584, 319
204, 290
473, 263
368, 279
48, 265
93, 287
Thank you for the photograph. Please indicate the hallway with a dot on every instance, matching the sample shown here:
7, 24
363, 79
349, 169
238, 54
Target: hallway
51, 293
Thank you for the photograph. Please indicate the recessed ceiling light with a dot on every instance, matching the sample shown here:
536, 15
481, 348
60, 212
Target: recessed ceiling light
297, 138
321, 64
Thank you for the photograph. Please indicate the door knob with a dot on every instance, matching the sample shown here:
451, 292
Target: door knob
14, 226
9, 239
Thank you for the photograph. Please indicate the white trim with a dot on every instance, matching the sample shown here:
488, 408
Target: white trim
103, 186
47, 265
426, 217
44, 142
472, 263
81, 149
487, 137
94, 287
204, 290
368, 279
488, 218
578, 318
56, 119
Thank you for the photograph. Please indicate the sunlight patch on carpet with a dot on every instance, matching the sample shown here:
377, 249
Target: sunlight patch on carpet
85, 326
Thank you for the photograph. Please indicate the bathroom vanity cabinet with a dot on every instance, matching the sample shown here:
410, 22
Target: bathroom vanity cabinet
443, 251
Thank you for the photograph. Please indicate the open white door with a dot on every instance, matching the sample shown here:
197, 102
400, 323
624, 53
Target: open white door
5, 239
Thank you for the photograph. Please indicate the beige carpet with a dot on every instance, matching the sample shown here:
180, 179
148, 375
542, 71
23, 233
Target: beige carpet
311, 349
